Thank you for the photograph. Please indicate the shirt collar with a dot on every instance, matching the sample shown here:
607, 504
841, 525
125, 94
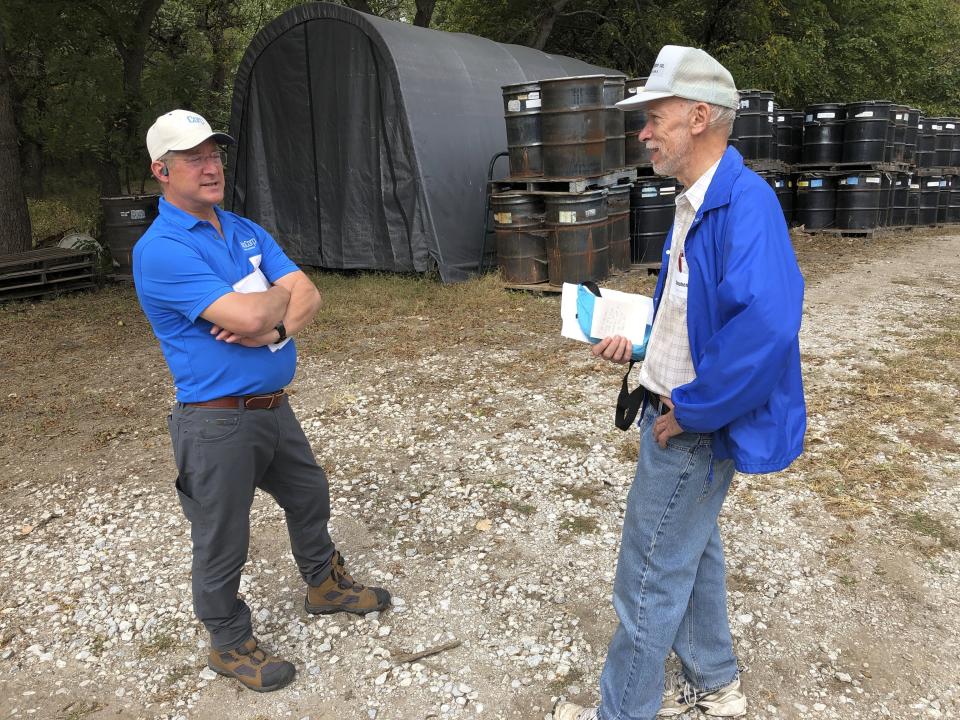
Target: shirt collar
184, 219
698, 191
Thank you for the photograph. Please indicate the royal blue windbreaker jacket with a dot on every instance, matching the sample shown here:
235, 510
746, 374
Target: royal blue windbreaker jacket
744, 305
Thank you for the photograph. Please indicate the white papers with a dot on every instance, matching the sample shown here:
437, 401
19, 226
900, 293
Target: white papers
614, 313
257, 282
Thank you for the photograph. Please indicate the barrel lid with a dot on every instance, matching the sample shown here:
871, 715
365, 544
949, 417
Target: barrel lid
570, 78
518, 87
614, 79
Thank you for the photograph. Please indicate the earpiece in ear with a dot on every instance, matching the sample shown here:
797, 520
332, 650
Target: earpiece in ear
165, 171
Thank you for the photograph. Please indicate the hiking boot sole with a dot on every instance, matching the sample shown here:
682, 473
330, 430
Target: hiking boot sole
266, 688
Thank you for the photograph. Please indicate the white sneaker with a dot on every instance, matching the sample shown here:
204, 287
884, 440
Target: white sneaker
571, 711
679, 696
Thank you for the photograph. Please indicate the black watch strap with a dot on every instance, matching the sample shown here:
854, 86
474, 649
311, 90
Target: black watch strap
282, 330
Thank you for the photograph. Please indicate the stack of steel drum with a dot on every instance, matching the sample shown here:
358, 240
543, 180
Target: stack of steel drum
564, 129
844, 166
853, 166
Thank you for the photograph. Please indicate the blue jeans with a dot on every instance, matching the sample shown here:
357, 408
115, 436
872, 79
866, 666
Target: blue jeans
670, 589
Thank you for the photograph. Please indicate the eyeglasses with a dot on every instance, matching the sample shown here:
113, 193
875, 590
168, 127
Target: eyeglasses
197, 161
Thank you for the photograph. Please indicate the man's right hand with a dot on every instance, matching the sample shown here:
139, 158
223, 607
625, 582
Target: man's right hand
615, 348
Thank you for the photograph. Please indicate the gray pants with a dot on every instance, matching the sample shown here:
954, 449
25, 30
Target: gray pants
222, 456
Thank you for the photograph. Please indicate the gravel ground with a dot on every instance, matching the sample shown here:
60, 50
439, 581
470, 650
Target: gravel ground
485, 487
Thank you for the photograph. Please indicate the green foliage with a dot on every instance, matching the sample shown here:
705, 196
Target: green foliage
83, 103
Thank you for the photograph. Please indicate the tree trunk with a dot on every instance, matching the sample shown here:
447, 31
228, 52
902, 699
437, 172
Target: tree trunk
424, 12
547, 22
15, 231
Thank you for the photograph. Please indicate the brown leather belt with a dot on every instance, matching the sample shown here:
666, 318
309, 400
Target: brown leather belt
266, 401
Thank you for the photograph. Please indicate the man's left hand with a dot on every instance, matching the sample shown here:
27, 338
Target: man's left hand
665, 427
234, 339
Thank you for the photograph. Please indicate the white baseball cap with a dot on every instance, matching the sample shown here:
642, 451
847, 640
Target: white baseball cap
688, 73
181, 130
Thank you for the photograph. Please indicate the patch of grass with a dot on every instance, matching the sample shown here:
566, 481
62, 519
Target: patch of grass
75, 211
581, 492
522, 508
78, 709
864, 469
97, 645
629, 447
926, 525
578, 525
161, 642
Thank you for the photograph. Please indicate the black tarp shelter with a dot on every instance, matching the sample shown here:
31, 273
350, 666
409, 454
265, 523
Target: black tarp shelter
364, 143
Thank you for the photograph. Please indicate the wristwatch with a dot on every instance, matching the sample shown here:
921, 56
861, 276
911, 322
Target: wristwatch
279, 327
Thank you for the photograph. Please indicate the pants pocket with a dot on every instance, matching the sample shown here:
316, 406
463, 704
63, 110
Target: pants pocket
191, 508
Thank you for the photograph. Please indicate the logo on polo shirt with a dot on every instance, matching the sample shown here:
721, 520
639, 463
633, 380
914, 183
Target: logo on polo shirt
248, 244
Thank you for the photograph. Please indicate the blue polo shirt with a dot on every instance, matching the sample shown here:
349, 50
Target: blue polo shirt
181, 265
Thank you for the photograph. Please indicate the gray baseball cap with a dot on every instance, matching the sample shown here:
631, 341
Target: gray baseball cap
689, 73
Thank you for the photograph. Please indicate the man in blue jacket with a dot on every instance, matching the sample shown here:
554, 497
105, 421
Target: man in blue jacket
723, 392
224, 300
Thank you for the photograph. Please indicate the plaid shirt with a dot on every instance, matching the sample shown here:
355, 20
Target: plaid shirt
668, 363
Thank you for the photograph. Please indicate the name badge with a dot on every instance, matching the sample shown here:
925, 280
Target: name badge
680, 279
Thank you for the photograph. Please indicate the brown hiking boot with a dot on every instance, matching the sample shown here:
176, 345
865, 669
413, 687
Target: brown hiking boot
253, 667
341, 593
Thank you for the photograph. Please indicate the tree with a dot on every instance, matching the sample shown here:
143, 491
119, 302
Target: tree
14, 218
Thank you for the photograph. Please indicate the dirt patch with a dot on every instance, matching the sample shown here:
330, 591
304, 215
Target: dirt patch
475, 470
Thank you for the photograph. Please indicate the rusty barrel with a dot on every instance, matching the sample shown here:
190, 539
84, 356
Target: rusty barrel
521, 113
576, 226
573, 123
635, 151
618, 226
521, 240
613, 149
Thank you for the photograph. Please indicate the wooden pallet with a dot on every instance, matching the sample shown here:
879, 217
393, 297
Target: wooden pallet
546, 186
891, 167
36, 273
769, 166
936, 171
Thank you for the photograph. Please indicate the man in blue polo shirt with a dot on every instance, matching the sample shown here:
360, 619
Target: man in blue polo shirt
225, 301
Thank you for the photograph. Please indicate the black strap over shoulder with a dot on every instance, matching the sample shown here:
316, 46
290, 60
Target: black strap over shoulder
628, 403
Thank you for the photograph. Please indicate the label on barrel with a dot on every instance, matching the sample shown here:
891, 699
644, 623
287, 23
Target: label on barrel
950, 126
138, 214
648, 192
914, 186
504, 218
802, 183
850, 181
770, 106
568, 216
670, 190
808, 118
865, 113
533, 103
935, 183
826, 116
873, 180
781, 118
513, 105
534, 96
590, 213
936, 127
744, 104
816, 183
